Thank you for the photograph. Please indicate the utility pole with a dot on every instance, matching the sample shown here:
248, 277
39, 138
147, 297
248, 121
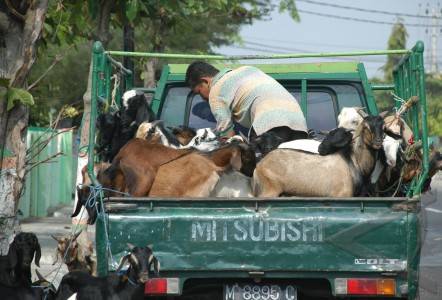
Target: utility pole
435, 30
434, 36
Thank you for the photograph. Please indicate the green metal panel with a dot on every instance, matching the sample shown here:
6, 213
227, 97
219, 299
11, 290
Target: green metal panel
270, 56
302, 237
304, 97
159, 91
372, 108
49, 184
324, 67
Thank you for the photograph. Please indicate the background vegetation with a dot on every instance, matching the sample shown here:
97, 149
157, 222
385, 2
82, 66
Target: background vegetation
168, 26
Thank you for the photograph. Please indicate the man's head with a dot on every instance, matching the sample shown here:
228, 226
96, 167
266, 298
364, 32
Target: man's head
199, 77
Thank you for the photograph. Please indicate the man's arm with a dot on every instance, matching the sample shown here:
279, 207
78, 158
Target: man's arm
223, 116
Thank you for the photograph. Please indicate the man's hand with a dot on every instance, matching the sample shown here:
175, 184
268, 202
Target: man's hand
227, 136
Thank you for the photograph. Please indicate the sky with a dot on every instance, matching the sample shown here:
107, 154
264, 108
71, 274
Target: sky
325, 34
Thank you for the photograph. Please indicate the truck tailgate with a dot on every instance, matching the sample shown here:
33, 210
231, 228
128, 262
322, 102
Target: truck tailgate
278, 235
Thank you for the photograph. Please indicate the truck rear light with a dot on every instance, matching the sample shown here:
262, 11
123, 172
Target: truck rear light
161, 286
365, 286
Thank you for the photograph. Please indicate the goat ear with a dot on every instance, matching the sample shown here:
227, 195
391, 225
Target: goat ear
150, 246
175, 130
235, 160
361, 112
12, 255
37, 253
130, 246
122, 262
79, 204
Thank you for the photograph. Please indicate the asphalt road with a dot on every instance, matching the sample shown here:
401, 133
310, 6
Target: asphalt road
430, 276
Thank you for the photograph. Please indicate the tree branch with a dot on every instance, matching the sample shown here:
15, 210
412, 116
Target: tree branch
28, 169
57, 59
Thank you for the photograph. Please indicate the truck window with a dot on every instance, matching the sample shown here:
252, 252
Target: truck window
320, 110
324, 102
174, 106
200, 115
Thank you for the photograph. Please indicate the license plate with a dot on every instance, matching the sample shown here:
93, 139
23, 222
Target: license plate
259, 292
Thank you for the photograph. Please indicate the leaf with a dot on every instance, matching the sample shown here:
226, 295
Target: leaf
131, 10
21, 95
4, 82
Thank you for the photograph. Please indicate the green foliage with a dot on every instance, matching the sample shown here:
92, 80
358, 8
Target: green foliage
66, 22
160, 25
434, 105
21, 95
397, 40
64, 84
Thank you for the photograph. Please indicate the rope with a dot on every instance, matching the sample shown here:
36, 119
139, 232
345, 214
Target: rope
116, 79
94, 193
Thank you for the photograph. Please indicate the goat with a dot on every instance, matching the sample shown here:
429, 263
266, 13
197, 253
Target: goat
73, 255
183, 134
435, 166
350, 117
203, 139
338, 138
107, 124
129, 285
83, 191
233, 184
40, 289
116, 129
16, 265
337, 175
196, 175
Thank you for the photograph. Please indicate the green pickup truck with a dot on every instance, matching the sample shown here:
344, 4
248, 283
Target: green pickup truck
285, 248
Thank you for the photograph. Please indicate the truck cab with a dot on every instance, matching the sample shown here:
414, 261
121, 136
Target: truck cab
286, 248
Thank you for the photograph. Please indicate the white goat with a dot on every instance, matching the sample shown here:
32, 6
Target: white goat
233, 184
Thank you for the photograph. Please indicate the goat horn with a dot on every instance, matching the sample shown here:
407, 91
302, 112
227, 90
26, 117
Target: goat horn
383, 114
156, 123
56, 238
361, 112
77, 235
122, 262
130, 246
40, 277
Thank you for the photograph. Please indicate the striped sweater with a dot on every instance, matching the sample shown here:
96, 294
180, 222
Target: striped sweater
252, 98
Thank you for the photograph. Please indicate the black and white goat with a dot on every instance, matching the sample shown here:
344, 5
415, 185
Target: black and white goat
117, 128
127, 285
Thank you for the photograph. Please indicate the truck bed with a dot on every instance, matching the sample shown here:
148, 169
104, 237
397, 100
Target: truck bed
295, 236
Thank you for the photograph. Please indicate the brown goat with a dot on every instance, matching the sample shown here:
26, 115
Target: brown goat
196, 174
138, 162
156, 170
73, 255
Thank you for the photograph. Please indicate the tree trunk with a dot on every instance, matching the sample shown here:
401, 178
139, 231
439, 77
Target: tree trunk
102, 33
20, 28
149, 69
152, 64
